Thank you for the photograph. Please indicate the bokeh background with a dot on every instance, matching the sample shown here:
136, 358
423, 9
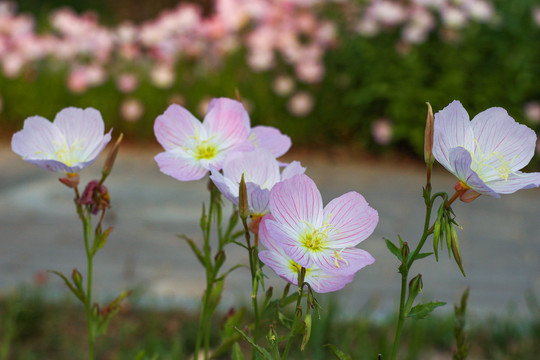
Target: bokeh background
354, 73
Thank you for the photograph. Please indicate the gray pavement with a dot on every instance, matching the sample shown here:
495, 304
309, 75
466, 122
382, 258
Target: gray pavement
39, 230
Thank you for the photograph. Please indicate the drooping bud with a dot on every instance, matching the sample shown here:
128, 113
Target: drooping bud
111, 157
455, 250
436, 236
71, 180
428, 138
243, 205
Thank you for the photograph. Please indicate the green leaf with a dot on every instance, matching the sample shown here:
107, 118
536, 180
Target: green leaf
194, 248
237, 352
338, 353
393, 248
266, 355
107, 313
423, 310
422, 255
215, 296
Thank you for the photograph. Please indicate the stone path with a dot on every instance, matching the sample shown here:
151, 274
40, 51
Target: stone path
39, 230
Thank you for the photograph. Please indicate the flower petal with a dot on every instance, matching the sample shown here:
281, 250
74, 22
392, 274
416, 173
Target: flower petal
226, 120
178, 128
297, 203
228, 188
258, 166
515, 182
460, 161
286, 238
323, 282
291, 170
281, 264
36, 139
346, 261
258, 199
350, 220
451, 129
179, 167
271, 139
497, 133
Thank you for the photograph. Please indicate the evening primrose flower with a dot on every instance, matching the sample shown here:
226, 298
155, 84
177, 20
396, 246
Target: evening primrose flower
274, 256
313, 236
261, 172
485, 154
69, 144
192, 148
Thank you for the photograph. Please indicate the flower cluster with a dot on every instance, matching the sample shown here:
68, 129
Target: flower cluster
418, 18
286, 207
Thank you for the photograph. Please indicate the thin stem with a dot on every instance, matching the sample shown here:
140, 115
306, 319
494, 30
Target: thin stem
298, 312
401, 316
451, 200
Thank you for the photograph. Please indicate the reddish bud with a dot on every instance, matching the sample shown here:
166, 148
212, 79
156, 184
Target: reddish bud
428, 138
71, 180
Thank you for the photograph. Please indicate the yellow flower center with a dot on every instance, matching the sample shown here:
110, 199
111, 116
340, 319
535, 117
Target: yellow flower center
205, 150
490, 166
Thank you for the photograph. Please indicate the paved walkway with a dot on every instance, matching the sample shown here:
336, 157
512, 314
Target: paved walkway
39, 230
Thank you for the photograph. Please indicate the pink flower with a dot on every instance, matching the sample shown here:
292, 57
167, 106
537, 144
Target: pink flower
261, 172
192, 148
321, 281
313, 236
271, 139
69, 144
485, 154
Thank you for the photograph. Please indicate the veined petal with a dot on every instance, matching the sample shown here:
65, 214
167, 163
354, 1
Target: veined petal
345, 261
228, 188
281, 264
297, 203
37, 139
271, 139
178, 128
226, 121
244, 116
291, 170
258, 166
323, 282
287, 239
515, 182
350, 220
452, 129
83, 130
498, 134
258, 199
460, 161
178, 166
53, 165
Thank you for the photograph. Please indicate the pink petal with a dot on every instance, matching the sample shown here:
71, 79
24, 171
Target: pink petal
226, 120
497, 133
324, 282
258, 167
291, 170
345, 261
287, 239
244, 115
271, 139
83, 128
179, 167
228, 188
515, 182
351, 219
460, 161
36, 139
258, 199
296, 203
281, 264
451, 129
177, 128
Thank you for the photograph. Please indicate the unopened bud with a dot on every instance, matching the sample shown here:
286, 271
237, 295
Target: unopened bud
77, 279
71, 180
455, 250
243, 205
219, 259
405, 251
272, 334
428, 138
307, 332
416, 285
111, 157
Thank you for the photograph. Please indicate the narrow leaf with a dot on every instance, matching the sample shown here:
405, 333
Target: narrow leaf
266, 355
423, 310
393, 248
194, 248
79, 294
338, 353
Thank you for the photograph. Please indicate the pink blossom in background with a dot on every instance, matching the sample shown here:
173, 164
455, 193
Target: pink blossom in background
131, 110
536, 15
69, 144
485, 154
192, 148
532, 112
327, 237
127, 82
162, 76
283, 85
382, 130
301, 104
274, 257
261, 172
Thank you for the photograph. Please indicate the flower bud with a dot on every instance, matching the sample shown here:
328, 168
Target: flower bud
428, 138
455, 250
405, 251
77, 279
111, 157
243, 205
415, 288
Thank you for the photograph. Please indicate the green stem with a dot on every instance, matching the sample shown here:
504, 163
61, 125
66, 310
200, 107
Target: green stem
298, 312
401, 316
87, 226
